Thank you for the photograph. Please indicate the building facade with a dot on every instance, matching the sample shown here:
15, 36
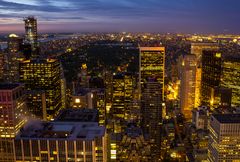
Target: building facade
12, 117
43, 75
224, 138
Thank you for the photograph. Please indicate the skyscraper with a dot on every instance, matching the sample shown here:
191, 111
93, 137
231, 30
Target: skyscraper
12, 117
211, 75
151, 78
151, 65
31, 35
12, 58
197, 49
43, 75
122, 96
224, 138
188, 84
231, 78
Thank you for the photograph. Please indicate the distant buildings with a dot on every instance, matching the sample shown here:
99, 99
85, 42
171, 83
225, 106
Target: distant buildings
43, 75
188, 84
73, 136
224, 138
12, 117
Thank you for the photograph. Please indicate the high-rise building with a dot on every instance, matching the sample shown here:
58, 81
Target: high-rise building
73, 136
12, 58
224, 138
231, 79
151, 108
31, 35
187, 85
211, 76
43, 75
12, 117
151, 78
151, 65
122, 97
197, 49
2, 63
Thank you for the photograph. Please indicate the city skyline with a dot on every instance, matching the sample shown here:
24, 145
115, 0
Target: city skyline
173, 16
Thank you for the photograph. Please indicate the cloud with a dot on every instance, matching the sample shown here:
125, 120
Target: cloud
205, 14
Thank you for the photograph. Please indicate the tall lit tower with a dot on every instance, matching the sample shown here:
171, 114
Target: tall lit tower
188, 84
197, 49
151, 77
211, 75
31, 35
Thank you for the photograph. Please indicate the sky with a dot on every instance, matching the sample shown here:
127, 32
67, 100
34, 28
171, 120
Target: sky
173, 16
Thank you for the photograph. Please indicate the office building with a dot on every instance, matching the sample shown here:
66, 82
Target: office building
74, 135
211, 76
224, 138
31, 35
197, 49
122, 97
187, 85
151, 108
61, 141
12, 58
12, 117
151, 78
43, 75
2, 63
91, 98
231, 79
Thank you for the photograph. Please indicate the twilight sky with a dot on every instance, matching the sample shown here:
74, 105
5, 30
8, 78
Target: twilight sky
186, 16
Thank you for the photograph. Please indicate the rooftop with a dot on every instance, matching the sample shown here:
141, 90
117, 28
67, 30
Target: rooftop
227, 118
78, 115
61, 130
8, 86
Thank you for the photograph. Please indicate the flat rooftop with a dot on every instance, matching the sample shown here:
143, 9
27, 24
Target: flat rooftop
61, 130
77, 115
8, 86
227, 118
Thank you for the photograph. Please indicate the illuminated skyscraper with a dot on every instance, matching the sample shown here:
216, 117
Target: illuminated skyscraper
211, 76
122, 96
43, 75
197, 49
224, 138
187, 86
2, 63
12, 58
12, 117
31, 35
151, 65
231, 79
151, 77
